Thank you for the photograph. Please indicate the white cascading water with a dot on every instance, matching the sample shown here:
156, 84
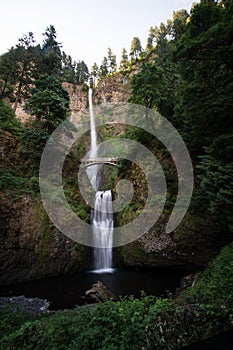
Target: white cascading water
102, 222
102, 215
92, 170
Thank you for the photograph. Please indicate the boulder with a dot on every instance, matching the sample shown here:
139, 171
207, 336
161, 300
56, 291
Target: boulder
99, 293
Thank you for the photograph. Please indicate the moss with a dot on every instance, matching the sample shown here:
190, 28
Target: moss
46, 238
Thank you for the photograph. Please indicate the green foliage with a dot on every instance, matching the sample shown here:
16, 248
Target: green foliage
111, 61
33, 140
82, 73
77, 204
107, 326
49, 106
215, 284
32, 144
136, 48
216, 179
94, 72
49, 102
146, 87
8, 75
124, 60
204, 104
14, 181
206, 98
10, 180
51, 83
199, 312
103, 71
8, 121
149, 322
16, 69
12, 318
50, 59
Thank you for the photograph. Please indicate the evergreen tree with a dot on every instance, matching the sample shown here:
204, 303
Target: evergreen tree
111, 61
136, 48
82, 72
8, 74
68, 69
150, 39
146, 87
94, 72
124, 59
51, 57
49, 102
178, 24
204, 54
103, 71
17, 69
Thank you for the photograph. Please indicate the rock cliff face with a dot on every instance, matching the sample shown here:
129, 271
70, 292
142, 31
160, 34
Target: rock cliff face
30, 247
195, 242
114, 89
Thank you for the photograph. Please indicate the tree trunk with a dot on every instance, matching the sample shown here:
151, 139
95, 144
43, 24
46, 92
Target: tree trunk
3, 90
147, 113
17, 97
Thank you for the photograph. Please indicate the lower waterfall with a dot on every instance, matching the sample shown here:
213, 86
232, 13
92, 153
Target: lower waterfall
102, 223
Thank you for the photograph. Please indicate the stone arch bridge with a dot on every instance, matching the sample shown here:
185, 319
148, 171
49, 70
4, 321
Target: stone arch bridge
86, 162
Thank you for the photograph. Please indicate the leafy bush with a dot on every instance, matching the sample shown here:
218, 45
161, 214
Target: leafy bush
105, 326
12, 318
199, 312
9, 180
147, 323
216, 179
8, 121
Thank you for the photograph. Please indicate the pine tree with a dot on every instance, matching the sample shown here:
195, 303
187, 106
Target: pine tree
103, 71
82, 72
49, 102
124, 59
51, 58
146, 87
150, 39
136, 48
17, 68
68, 69
94, 72
112, 65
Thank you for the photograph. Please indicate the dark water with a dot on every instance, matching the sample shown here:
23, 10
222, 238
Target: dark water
66, 292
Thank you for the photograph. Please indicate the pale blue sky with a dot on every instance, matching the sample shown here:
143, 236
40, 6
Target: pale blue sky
85, 28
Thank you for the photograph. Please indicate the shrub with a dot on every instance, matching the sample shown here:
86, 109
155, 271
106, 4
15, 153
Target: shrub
147, 323
8, 121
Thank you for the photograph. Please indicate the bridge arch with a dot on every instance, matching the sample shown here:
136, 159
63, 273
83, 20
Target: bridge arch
96, 161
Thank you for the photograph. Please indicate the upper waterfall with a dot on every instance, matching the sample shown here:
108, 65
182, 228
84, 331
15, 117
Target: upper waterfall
92, 171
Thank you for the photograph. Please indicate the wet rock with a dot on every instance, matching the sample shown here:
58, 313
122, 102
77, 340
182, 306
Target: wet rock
30, 247
32, 306
187, 281
99, 293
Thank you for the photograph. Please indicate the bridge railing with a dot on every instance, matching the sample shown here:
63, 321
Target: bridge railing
101, 160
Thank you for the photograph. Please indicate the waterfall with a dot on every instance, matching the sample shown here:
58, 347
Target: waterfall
102, 223
92, 171
102, 216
